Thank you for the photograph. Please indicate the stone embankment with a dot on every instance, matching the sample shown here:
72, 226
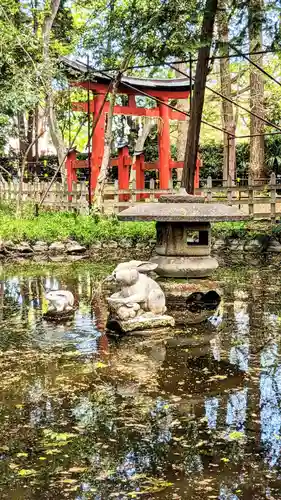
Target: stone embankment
248, 249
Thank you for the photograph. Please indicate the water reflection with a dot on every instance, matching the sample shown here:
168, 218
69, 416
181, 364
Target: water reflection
186, 414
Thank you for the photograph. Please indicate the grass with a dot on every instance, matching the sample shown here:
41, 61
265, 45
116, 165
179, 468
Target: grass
248, 230
52, 226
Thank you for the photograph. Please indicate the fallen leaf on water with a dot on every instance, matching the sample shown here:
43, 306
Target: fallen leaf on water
236, 435
53, 451
13, 466
69, 481
72, 353
99, 364
77, 469
27, 472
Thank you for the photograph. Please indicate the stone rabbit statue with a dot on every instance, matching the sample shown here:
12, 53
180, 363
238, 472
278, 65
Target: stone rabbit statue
139, 293
60, 301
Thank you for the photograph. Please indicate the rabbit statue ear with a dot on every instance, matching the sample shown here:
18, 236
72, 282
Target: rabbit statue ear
146, 267
128, 265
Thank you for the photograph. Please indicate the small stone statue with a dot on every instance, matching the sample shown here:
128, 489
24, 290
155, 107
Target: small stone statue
60, 301
140, 298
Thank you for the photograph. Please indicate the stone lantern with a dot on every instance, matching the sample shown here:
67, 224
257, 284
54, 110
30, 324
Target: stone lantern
183, 226
183, 250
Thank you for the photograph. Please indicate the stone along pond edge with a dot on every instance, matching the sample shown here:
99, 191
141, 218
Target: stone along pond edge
259, 246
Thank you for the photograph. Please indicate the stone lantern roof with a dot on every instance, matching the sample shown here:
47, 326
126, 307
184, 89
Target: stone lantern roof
182, 212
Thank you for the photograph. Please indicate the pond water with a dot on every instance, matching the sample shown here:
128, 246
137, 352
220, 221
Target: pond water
86, 416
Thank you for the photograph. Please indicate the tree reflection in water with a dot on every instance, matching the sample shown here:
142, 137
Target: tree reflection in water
166, 416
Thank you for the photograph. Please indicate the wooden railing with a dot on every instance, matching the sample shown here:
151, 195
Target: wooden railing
258, 200
58, 198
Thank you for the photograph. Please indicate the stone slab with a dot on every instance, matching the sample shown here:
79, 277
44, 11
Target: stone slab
182, 289
181, 300
181, 197
184, 212
147, 321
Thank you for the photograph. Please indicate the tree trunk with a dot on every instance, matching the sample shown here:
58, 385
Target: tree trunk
182, 105
256, 89
227, 113
36, 128
198, 96
22, 135
30, 129
102, 178
52, 119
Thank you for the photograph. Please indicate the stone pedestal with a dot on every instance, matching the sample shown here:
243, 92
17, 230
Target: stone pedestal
193, 302
147, 321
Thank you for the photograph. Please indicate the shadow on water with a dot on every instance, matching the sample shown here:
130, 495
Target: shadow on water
191, 414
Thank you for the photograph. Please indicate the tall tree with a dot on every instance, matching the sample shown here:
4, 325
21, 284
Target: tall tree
198, 95
182, 105
227, 112
46, 39
255, 19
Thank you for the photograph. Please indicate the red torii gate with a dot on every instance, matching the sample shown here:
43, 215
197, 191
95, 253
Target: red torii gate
162, 90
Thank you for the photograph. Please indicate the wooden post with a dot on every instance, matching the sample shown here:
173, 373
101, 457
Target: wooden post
229, 190
133, 197
71, 174
273, 196
74, 199
36, 190
139, 175
10, 184
58, 203
68, 190
209, 188
116, 196
151, 188
164, 146
250, 195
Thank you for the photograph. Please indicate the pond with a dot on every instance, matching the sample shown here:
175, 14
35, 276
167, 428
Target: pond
85, 416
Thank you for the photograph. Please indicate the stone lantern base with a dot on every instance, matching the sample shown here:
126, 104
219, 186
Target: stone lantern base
184, 267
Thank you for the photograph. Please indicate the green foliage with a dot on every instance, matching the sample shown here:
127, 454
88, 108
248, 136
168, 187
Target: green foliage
24, 75
212, 158
50, 226
154, 30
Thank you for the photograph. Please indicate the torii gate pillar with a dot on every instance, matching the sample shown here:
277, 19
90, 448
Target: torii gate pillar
97, 140
164, 145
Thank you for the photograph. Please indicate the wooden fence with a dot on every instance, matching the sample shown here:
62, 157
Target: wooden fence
254, 199
58, 198
258, 200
